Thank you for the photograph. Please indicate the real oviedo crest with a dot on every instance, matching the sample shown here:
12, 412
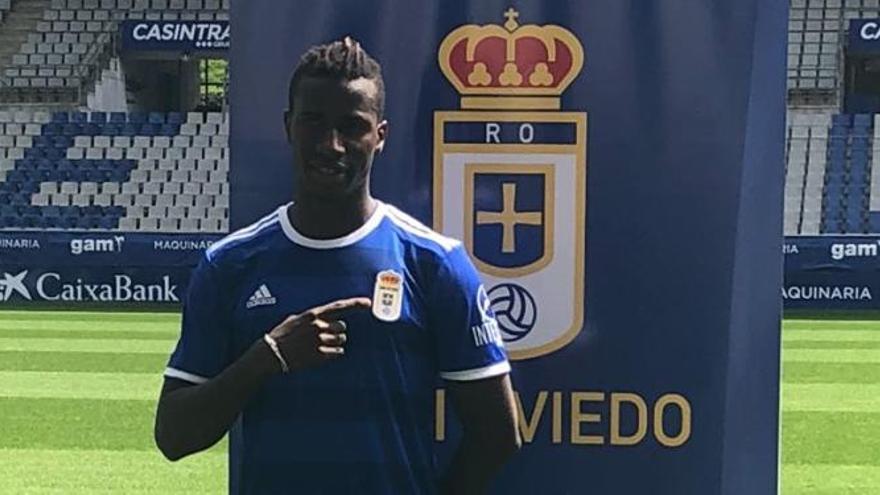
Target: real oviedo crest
510, 176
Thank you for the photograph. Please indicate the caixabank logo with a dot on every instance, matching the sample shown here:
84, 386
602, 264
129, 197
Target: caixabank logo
54, 286
510, 175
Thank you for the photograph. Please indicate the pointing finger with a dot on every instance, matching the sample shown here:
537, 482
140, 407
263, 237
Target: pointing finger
335, 309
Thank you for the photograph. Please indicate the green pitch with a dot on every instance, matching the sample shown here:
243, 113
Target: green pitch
78, 390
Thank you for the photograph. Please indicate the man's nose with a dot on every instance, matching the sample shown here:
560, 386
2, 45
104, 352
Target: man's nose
332, 142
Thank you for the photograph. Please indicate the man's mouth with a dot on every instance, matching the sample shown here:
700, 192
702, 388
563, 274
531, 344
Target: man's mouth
328, 169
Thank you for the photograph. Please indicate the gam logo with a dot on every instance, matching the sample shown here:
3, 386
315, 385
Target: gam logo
840, 251
80, 246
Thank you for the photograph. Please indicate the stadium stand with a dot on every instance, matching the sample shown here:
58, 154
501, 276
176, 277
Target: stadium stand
132, 172
66, 169
807, 137
832, 181
5, 6
816, 32
74, 42
831, 186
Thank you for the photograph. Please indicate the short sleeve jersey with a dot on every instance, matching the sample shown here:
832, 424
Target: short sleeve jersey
362, 423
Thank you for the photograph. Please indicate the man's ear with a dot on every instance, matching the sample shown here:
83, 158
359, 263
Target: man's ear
382, 131
288, 116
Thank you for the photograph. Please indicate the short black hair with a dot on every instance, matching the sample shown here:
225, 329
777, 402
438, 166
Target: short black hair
344, 60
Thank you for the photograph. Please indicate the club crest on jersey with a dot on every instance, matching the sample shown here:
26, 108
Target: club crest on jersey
510, 176
388, 295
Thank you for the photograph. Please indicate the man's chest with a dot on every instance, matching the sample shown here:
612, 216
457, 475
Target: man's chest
273, 289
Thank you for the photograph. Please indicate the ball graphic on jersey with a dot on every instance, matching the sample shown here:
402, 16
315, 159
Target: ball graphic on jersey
515, 310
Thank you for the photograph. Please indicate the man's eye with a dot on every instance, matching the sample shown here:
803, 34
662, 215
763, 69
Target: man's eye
352, 127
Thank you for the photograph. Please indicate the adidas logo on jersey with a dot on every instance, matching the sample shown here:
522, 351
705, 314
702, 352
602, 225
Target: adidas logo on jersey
262, 297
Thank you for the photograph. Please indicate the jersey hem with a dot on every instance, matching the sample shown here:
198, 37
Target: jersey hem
185, 376
477, 373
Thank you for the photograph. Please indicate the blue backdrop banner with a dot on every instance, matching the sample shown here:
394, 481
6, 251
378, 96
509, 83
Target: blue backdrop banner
615, 170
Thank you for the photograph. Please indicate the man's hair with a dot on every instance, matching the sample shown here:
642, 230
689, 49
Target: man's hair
344, 60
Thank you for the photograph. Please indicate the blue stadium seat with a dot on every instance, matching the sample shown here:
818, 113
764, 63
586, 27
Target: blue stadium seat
118, 176
55, 153
137, 118
34, 153
108, 222
32, 221
75, 175
149, 130
175, 118
115, 211
51, 211
92, 129
117, 118
842, 120
838, 131
169, 130
863, 120
156, 118
92, 211
84, 222
14, 175
68, 222
79, 117
59, 117
98, 117
111, 129
62, 142
130, 129
53, 129
96, 175
72, 129
9, 221
860, 143
55, 176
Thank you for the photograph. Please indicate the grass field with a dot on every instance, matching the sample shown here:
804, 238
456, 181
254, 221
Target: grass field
77, 394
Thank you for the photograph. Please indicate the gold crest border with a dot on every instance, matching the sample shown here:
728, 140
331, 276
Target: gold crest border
579, 149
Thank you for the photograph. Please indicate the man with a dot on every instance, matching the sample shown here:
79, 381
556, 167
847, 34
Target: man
337, 397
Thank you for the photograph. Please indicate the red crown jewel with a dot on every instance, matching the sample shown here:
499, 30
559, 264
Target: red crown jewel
513, 60
389, 278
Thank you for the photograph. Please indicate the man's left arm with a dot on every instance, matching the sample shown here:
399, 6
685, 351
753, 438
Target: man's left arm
486, 410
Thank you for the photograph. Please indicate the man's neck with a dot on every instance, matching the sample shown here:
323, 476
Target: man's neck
327, 219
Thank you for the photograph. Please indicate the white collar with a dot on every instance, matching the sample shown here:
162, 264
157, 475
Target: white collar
296, 237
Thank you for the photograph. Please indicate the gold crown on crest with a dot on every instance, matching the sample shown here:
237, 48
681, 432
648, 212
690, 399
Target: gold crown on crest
529, 66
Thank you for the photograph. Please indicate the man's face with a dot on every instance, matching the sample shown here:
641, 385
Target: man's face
335, 134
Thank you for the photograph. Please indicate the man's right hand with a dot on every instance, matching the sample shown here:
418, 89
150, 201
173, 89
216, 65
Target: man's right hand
316, 335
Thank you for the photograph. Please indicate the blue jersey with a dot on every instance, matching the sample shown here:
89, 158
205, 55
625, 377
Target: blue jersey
362, 423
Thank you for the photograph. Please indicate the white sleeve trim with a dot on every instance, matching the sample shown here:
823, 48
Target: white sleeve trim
477, 373
183, 375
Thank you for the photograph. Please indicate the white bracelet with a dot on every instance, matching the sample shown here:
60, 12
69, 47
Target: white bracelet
274, 346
